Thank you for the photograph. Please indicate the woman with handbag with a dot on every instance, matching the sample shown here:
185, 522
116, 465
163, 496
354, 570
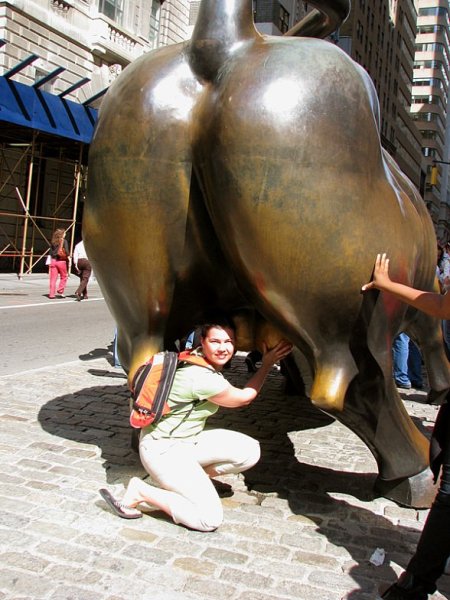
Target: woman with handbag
59, 256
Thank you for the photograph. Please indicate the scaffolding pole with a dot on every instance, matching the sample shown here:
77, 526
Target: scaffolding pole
27, 210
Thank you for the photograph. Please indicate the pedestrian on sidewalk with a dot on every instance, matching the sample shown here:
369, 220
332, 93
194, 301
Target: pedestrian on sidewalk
59, 257
182, 456
428, 563
83, 269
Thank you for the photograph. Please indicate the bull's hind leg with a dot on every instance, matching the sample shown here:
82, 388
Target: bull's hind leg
370, 406
399, 448
375, 412
372, 409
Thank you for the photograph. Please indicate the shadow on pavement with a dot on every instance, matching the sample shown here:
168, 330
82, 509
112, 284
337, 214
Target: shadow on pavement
107, 353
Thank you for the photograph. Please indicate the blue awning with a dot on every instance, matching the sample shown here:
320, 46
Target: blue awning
28, 106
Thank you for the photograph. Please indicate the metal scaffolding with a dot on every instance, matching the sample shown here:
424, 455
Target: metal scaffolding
28, 170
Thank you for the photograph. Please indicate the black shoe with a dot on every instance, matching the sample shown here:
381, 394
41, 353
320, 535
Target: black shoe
251, 359
251, 367
406, 589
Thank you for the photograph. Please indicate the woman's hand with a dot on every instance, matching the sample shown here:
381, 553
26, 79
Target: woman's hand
278, 352
234, 397
380, 274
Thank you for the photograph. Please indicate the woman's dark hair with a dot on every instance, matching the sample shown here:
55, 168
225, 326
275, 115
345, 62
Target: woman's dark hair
222, 323
214, 318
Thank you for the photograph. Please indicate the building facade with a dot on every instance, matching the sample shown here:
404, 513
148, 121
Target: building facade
91, 39
430, 105
380, 36
275, 17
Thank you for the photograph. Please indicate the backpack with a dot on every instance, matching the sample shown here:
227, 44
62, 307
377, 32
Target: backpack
152, 383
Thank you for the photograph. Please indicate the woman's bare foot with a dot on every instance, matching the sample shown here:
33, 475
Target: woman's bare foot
133, 495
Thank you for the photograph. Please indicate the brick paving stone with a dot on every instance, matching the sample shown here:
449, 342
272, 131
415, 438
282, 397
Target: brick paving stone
270, 551
225, 557
277, 569
71, 592
194, 565
204, 588
16, 582
251, 595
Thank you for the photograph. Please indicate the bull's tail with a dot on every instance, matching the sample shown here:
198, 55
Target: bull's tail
327, 16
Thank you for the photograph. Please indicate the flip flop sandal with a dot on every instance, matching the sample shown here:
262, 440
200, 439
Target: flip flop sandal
121, 510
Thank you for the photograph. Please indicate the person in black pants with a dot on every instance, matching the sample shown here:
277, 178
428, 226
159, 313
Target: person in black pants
83, 268
428, 563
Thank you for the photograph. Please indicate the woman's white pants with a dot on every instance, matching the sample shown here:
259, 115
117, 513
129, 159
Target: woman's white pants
177, 466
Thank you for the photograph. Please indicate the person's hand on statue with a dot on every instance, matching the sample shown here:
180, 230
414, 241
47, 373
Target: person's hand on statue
277, 353
430, 302
380, 277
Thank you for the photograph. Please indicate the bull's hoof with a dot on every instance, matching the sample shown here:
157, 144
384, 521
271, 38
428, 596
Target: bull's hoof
437, 397
417, 491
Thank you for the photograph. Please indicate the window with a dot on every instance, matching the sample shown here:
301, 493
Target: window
193, 11
283, 21
428, 117
432, 82
359, 31
429, 152
429, 135
40, 74
155, 12
112, 9
434, 12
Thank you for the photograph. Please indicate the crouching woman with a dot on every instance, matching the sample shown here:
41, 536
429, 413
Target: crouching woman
180, 454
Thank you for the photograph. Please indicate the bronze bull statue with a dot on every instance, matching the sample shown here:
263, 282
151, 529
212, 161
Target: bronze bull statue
245, 172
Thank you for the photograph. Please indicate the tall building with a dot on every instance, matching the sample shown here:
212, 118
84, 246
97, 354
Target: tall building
380, 36
430, 105
57, 59
275, 17
272, 17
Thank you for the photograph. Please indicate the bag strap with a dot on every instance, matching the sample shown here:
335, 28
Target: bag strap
194, 359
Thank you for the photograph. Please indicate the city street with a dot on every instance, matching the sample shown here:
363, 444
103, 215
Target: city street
37, 332
301, 525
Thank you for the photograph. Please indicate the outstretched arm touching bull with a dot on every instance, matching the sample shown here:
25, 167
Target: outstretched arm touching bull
434, 304
427, 564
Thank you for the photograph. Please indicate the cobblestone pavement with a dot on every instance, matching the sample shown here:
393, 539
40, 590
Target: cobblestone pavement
301, 525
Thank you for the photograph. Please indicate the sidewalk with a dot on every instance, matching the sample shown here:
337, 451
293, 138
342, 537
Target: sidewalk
35, 287
301, 525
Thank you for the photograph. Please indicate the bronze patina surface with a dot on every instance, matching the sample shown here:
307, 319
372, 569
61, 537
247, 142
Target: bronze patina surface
245, 172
